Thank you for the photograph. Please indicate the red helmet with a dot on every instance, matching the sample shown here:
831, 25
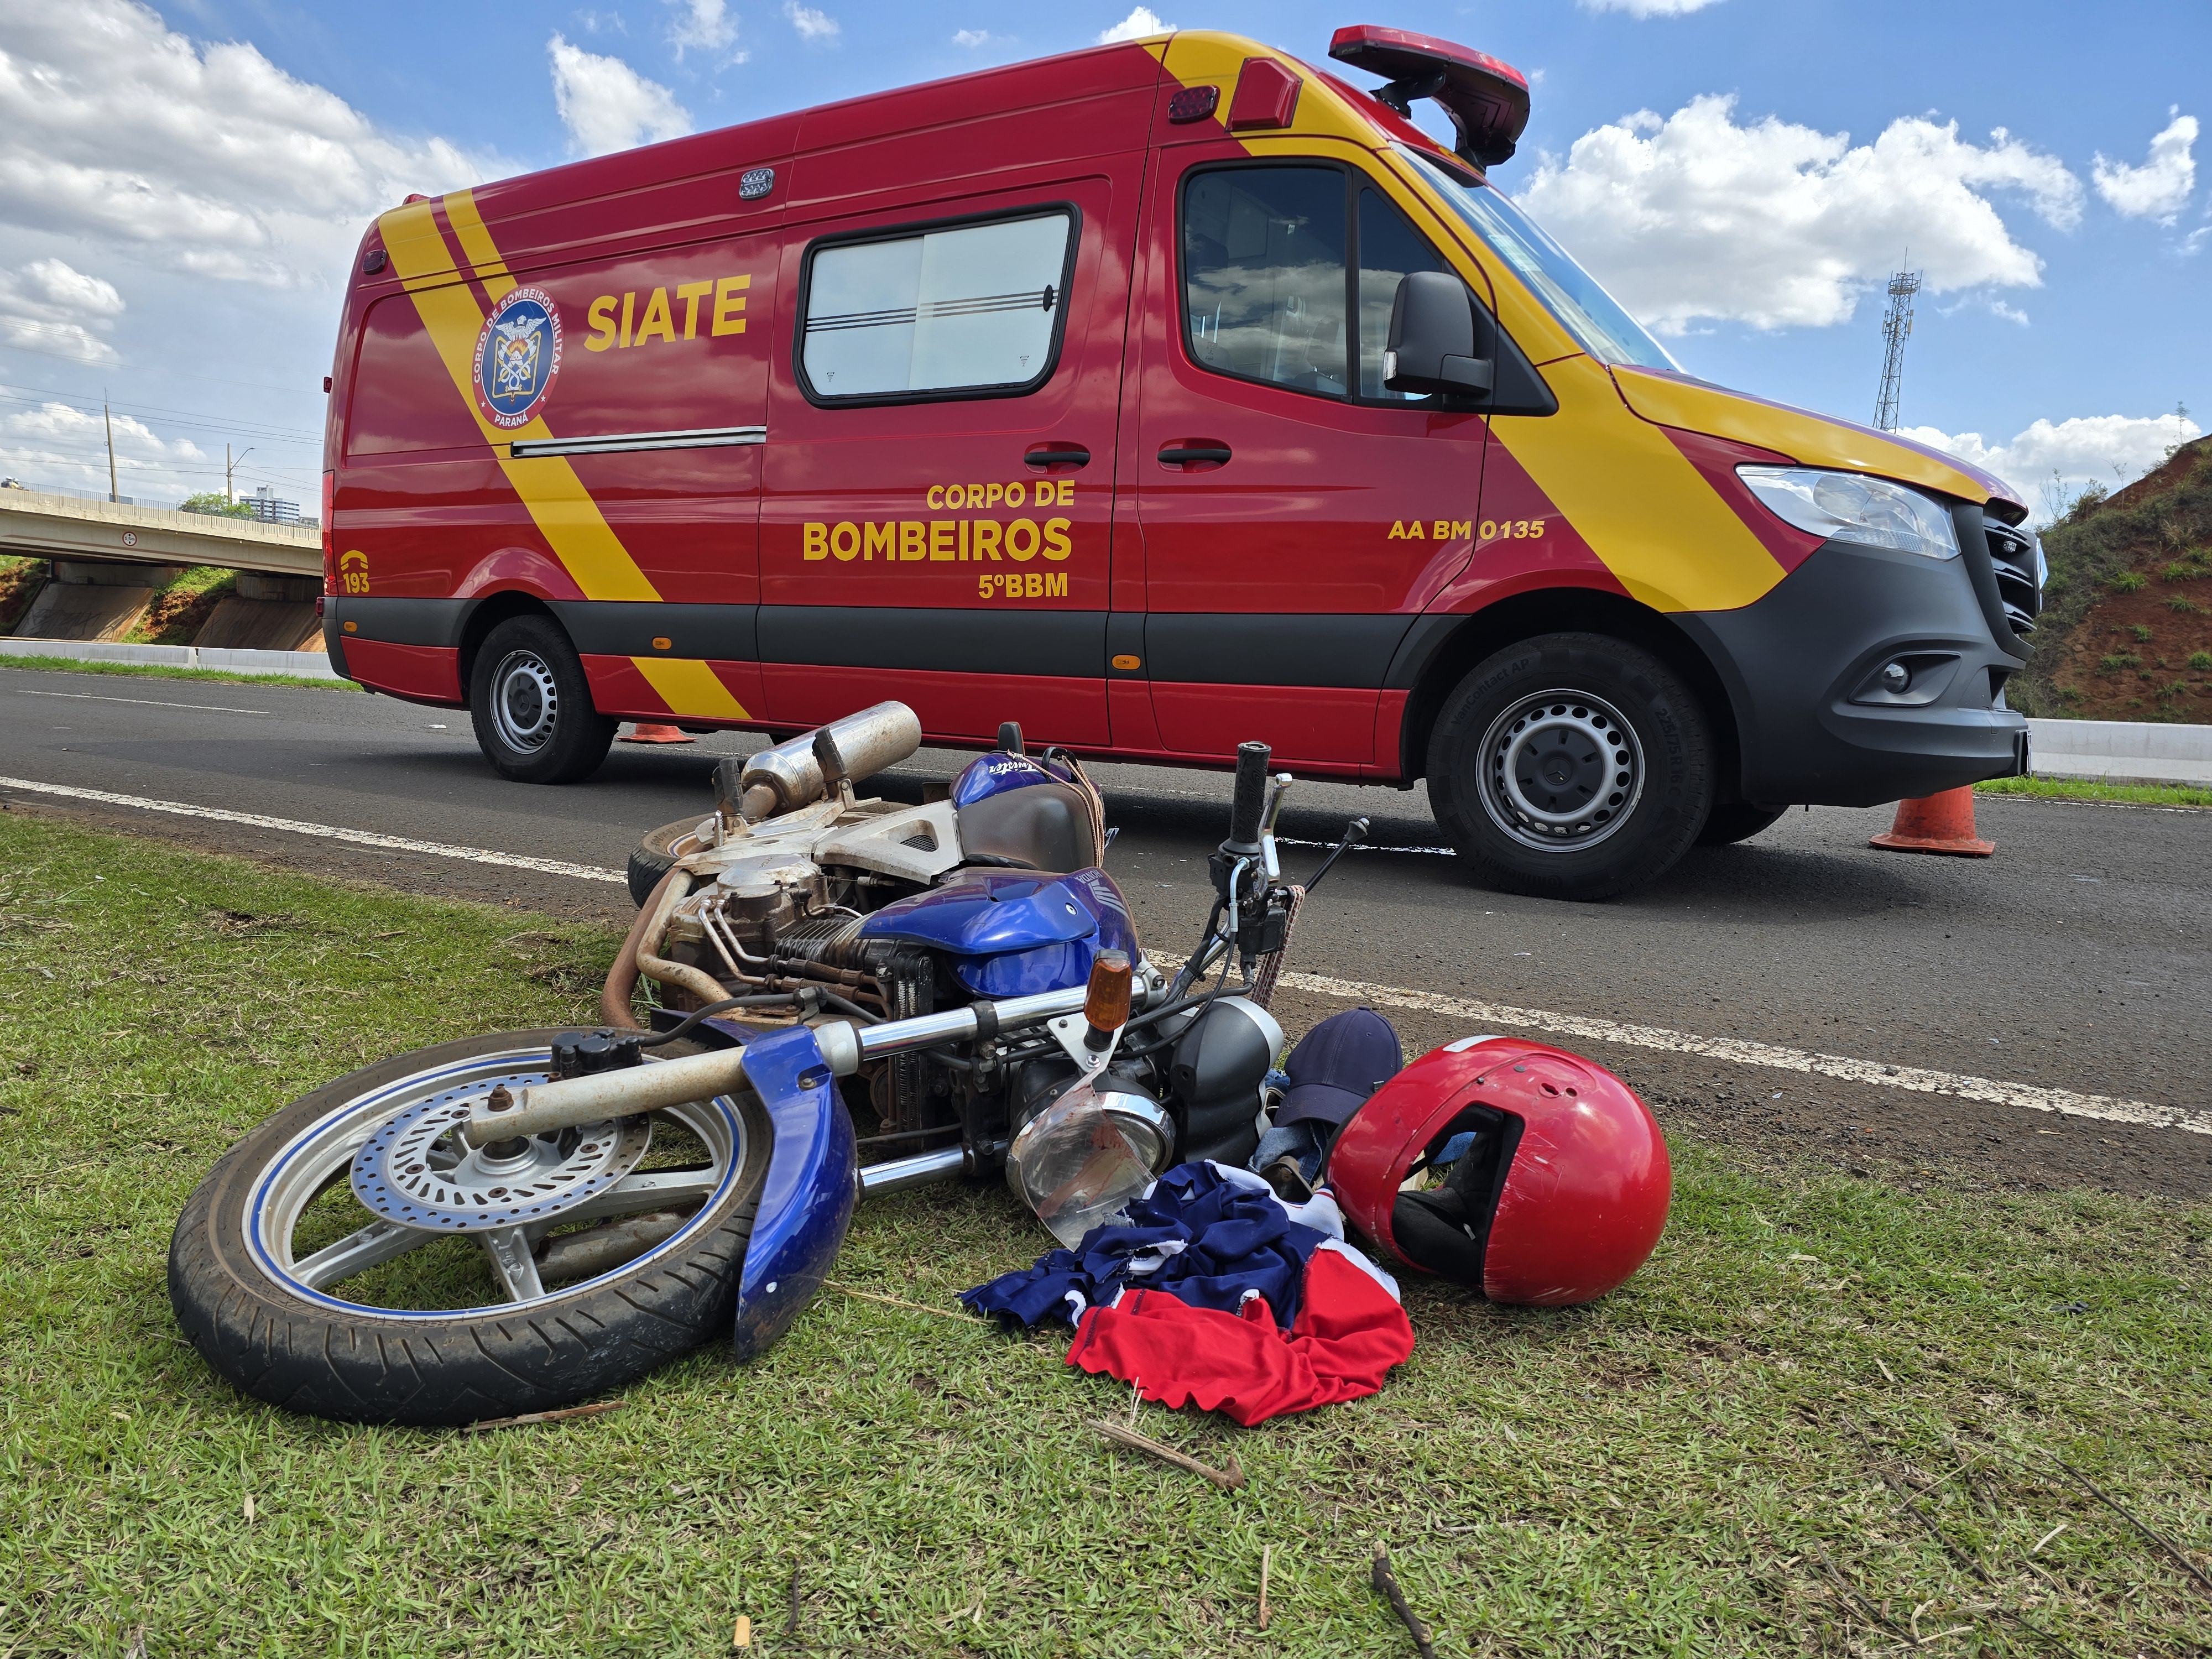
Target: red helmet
1559, 1197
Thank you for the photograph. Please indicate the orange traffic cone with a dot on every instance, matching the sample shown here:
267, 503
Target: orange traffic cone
1936, 824
649, 732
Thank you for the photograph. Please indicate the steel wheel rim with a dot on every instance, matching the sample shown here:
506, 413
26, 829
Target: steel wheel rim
526, 701
1561, 771
319, 1157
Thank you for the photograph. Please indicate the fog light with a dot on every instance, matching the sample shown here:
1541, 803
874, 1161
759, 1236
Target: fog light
1896, 678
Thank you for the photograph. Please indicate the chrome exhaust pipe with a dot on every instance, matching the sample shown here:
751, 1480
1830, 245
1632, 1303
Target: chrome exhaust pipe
789, 776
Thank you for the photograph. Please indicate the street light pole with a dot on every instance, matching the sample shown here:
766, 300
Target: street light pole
229, 495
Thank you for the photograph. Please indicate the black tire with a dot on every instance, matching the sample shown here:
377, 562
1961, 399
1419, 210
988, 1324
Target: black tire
278, 1342
1737, 820
1611, 771
532, 705
655, 855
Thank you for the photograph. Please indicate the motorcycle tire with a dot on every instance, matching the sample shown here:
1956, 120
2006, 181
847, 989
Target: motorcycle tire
1738, 821
306, 1349
657, 853
1571, 766
531, 706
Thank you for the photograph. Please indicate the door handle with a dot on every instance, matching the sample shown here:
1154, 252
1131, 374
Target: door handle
1194, 455
1058, 455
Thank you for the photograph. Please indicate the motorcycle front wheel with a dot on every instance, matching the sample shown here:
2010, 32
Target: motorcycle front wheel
299, 1294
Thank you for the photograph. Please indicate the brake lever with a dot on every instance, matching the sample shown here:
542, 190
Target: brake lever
1355, 835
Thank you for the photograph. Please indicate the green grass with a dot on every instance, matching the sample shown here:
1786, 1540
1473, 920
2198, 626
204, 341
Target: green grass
1695, 1465
157, 671
2140, 794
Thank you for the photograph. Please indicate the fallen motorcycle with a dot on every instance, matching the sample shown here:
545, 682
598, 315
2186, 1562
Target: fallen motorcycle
828, 965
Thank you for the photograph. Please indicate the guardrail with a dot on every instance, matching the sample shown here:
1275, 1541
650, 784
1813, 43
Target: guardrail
2120, 751
304, 664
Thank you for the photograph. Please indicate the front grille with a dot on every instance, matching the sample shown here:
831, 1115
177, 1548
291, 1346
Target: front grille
2017, 561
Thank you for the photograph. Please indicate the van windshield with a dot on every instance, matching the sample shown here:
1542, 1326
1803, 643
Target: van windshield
1585, 309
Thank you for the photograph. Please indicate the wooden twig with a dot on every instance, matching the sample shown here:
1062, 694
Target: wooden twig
1228, 1479
2142, 1527
1267, 1561
897, 1302
1386, 1582
1905, 1500
1873, 1614
603, 1407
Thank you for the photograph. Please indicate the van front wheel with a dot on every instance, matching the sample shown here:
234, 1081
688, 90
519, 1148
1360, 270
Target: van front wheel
532, 707
1571, 766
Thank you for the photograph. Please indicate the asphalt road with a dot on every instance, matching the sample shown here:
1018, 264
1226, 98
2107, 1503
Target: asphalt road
2074, 959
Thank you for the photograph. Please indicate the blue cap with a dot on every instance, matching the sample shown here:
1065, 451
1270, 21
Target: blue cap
1337, 1065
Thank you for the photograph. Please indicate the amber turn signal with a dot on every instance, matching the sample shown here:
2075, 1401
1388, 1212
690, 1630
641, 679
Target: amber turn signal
1106, 1004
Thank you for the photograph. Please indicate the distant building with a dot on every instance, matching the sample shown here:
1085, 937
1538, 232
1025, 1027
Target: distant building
269, 510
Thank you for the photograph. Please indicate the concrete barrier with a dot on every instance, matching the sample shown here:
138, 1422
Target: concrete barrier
2120, 751
304, 665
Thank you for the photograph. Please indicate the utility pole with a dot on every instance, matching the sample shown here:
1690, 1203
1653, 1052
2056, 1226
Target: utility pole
229, 495
108, 420
1896, 330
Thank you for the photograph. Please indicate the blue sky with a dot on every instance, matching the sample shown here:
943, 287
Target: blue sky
181, 185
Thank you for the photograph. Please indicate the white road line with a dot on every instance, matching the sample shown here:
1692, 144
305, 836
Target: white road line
1477, 1014
1483, 1015
148, 702
326, 832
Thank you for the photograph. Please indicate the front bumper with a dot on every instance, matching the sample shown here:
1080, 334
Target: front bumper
1801, 665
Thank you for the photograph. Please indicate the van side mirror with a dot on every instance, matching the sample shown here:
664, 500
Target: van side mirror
1431, 343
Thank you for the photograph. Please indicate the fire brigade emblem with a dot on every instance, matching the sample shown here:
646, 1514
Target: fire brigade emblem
518, 355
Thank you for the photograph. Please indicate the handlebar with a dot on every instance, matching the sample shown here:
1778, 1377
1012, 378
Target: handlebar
1251, 802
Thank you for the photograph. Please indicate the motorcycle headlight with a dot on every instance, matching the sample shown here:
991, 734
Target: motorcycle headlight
1870, 511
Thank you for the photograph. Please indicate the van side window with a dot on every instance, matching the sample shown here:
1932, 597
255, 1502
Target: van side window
1263, 259
964, 309
1389, 250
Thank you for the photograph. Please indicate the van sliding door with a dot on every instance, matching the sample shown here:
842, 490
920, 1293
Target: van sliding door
939, 490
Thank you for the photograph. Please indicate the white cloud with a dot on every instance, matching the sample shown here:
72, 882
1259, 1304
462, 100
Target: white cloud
1141, 21
48, 305
703, 26
971, 37
608, 106
2105, 448
2160, 188
62, 446
811, 24
1650, 7
115, 129
1776, 225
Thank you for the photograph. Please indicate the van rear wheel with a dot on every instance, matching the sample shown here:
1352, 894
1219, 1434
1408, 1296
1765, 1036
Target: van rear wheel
1571, 766
532, 705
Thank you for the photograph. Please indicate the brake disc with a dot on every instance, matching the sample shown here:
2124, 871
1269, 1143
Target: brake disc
417, 1170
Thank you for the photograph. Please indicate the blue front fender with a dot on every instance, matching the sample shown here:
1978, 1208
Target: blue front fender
806, 1202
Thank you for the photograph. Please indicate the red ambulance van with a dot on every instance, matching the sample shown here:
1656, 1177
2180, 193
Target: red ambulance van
1158, 396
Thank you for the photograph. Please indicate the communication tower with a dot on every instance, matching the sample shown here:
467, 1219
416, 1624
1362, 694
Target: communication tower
1896, 330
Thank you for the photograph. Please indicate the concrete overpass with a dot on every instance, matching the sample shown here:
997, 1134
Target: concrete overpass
34, 525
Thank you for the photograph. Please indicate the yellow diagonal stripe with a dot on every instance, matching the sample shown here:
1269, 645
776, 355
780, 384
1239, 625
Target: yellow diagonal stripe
1635, 498
688, 686
475, 242
560, 506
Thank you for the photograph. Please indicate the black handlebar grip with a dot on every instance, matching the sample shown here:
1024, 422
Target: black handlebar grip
1251, 792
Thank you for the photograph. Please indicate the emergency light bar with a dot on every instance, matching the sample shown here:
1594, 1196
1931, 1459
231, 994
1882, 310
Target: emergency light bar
1487, 100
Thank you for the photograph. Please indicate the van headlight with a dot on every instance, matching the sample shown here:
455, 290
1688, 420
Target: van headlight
1872, 512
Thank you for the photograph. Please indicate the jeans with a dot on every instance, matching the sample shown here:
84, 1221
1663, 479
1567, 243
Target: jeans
1302, 1143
